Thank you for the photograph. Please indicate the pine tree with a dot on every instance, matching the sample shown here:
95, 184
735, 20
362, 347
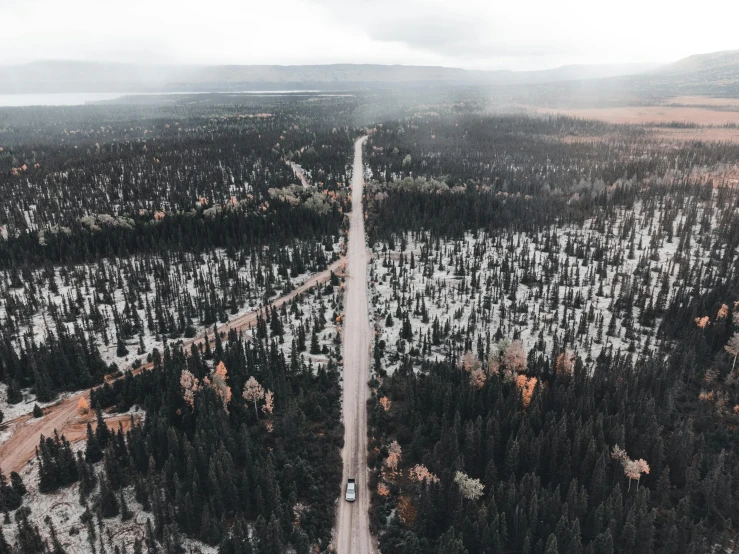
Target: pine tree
603, 543
315, 347
4, 546
93, 451
450, 544
126, 514
108, 501
551, 546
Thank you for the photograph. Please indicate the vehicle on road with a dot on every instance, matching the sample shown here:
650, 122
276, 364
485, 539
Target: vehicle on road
351, 490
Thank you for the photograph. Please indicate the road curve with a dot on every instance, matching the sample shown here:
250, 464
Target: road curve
352, 527
64, 417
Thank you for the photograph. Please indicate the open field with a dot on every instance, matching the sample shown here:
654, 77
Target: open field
645, 115
704, 101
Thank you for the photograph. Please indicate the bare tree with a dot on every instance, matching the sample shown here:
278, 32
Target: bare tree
732, 347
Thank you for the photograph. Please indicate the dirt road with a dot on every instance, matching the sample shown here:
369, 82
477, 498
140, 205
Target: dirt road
64, 418
352, 527
250, 318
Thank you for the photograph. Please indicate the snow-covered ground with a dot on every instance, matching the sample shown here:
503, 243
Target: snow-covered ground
93, 293
63, 510
562, 283
25, 406
322, 305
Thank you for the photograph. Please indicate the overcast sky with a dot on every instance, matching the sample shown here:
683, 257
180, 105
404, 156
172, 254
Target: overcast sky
476, 34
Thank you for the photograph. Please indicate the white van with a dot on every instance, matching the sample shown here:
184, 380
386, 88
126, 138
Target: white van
351, 490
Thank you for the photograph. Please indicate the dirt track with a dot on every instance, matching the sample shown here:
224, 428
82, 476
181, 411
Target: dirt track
352, 527
63, 417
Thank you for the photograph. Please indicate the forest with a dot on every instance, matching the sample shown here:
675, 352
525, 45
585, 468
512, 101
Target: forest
556, 328
130, 235
554, 302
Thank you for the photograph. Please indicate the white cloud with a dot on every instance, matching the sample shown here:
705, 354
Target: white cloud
527, 34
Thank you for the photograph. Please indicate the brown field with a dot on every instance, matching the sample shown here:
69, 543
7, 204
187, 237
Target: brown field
645, 115
704, 101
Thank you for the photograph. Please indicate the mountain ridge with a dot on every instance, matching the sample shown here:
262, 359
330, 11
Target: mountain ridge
711, 74
80, 76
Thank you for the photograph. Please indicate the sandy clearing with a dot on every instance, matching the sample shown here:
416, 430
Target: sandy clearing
63, 418
25, 431
352, 527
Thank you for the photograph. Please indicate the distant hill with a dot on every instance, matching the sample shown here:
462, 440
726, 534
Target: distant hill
65, 76
714, 62
714, 74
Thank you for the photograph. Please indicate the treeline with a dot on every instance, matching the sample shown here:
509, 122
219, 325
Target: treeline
229, 229
526, 154
452, 214
402, 207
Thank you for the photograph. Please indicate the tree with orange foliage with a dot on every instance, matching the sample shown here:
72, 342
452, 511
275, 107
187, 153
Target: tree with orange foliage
477, 378
633, 469
393, 457
469, 362
722, 312
219, 384
190, 387
421, 474
526, 386
702, 322
514, 358
269, 403
565, 364
83, 406
493, 367
385, 402
253, 392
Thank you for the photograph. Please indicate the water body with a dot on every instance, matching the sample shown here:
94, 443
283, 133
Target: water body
82, 98
59, 99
